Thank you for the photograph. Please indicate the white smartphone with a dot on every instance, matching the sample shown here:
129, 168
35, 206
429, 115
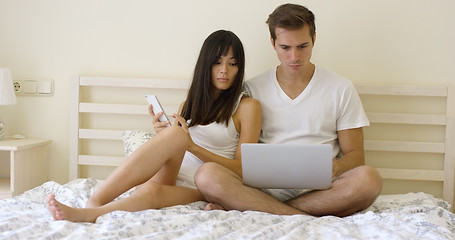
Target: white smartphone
152, 99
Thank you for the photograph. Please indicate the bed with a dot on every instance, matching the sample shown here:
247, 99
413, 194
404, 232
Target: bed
410, 141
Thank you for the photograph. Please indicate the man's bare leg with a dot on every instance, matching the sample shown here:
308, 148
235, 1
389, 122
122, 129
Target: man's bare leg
353, 191
221, 186
150, 195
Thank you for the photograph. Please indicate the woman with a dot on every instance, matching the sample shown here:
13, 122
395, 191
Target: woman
215, 119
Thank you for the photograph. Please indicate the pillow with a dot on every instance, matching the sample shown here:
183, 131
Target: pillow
132, 139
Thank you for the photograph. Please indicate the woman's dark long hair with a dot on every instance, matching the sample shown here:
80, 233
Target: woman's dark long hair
199, 107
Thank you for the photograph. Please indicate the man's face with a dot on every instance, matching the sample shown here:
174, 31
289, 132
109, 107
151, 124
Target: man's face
293, 48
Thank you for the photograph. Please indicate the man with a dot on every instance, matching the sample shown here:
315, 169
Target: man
302, 103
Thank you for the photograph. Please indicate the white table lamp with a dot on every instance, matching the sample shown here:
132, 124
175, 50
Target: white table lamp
7, 94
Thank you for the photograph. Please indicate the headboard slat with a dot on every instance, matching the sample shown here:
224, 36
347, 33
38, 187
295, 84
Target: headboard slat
134, 82
112, 108
100, 134
400, 146
407, 118
449, 158
120, 108
428, 91
411, 174
97, 160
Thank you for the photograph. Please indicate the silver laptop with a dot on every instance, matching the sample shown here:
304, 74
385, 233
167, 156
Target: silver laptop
287, 165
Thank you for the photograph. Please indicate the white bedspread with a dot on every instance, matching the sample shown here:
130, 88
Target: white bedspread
409, 216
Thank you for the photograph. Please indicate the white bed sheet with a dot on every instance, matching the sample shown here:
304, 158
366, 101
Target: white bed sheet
404, 216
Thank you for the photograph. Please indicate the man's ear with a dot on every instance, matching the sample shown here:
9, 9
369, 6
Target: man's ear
272, 41
314, 38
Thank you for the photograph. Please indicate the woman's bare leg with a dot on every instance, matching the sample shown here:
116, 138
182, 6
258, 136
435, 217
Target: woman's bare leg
162, 153
150, 195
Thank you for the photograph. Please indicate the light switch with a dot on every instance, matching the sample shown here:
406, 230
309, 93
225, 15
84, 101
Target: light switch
45, 87
29, 86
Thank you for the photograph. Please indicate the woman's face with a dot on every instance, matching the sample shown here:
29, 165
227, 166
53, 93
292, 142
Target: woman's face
224, 71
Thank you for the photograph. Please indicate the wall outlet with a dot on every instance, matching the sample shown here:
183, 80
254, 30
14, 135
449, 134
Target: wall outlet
18, 86
34, 87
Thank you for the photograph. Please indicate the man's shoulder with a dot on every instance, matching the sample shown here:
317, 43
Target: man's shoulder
334, 78
261, 77
327, 73
260, 84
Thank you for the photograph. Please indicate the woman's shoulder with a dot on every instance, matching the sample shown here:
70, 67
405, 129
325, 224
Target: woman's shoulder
249, 111
249, 102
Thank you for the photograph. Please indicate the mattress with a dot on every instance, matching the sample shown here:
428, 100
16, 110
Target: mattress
402, 216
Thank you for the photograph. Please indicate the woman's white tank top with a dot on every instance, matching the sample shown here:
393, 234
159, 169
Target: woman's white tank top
214, 137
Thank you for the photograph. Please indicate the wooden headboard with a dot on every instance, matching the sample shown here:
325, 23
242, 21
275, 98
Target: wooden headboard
411, 140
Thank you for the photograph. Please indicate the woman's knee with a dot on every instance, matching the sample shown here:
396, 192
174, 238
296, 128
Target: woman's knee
170, 142
206, 174
209, 180
175, 134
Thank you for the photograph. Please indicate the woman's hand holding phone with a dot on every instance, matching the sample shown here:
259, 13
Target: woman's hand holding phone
160, 120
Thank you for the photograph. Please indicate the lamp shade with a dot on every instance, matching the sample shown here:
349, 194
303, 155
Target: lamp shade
7, 94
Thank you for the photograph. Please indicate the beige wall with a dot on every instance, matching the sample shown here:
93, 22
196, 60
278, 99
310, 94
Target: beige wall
407, 41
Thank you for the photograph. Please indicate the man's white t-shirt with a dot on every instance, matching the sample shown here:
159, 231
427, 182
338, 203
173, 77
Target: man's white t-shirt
328, 104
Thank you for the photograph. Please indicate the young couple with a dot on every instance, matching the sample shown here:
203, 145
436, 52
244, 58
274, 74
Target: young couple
217, 117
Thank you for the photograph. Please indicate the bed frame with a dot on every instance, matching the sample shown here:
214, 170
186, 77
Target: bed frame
411, 140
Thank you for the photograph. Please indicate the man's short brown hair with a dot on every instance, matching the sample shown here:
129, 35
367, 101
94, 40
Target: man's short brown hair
291, 16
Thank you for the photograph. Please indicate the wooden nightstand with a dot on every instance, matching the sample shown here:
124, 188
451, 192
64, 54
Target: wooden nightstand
27, 162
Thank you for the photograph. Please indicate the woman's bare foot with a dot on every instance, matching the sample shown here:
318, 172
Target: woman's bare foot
61, 211
213, 206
